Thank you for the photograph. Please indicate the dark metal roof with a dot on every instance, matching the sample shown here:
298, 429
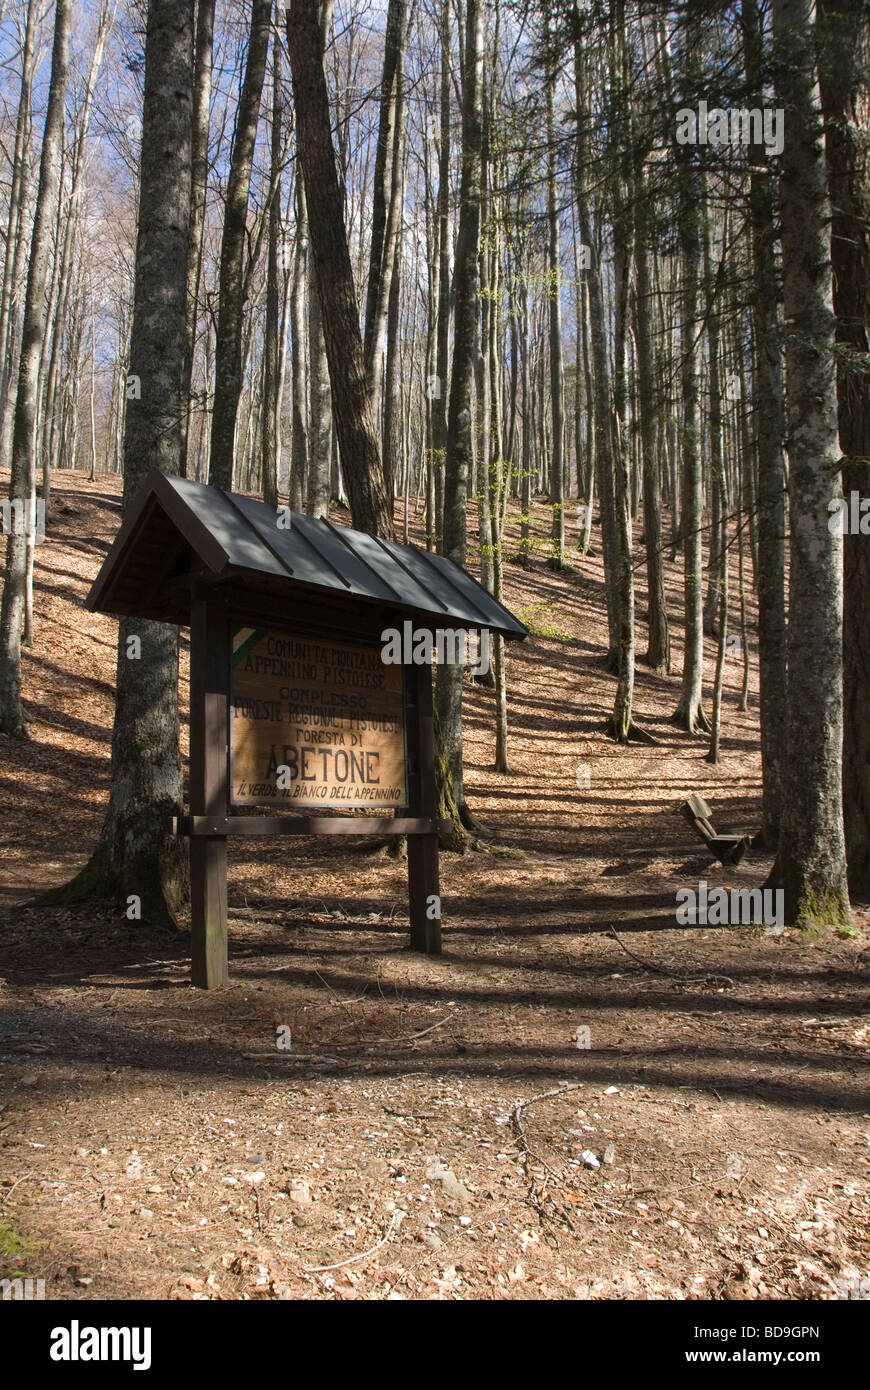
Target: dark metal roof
176, 528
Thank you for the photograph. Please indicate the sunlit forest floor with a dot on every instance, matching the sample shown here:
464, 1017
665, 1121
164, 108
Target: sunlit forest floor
157, 1143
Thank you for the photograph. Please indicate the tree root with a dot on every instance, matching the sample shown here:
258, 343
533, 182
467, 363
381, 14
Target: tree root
696, 723
96, 880
633, 734
658, 665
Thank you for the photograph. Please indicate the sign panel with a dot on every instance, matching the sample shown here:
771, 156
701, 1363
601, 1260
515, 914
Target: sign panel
315, 724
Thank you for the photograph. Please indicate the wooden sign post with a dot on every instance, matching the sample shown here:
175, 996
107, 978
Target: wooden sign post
302, 721
208, 792
424, 893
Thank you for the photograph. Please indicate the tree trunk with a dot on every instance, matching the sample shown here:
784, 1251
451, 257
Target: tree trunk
497, 487
719, 483
658, 654
199, 178
228, 348
482, 378
811, 863
442, 344
134, 856
689, 713
621, 721
318, 488
603, 425
23, 471
9, 318
846, 100
386, 199
392, 398
298, 365
525, 547
319, 411
718, 489
274, 305
621, 138
351, 399
66, 241
769, 407
590, 469
554, 295
722, 618
448, 686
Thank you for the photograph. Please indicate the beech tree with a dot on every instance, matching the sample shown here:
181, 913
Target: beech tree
228, 345
10, 307
448, 684
22, 486
202, 81
770, 431
811, 862
690, 712
386, 198
845, 85
136, 856
351, 397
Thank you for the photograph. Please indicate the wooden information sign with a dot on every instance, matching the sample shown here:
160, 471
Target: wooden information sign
315, 723
292, 708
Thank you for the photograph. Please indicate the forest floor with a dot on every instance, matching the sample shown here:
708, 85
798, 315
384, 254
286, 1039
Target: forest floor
439, 1128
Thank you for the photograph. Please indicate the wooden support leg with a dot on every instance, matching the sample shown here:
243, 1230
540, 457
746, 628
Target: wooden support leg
208, 896
209, 686
424, 892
